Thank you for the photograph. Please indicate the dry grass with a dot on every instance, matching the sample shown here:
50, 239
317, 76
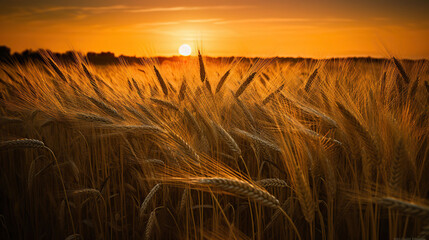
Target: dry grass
280, 150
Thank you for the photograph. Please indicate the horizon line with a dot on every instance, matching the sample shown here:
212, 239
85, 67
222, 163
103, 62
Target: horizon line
221, 56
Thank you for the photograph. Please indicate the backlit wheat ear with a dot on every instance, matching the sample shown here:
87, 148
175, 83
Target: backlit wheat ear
136, 86
136, 114
396, 171
149, 196
202, 68
90, 77
233, 146
56, 69
93, 118
148, 113
245, 189
245, 84
408, 208
84, 191
184, 199
154, 161
137, 129
246, 112
310, 80
165, 104
187, 149
150, 223
367, 141
222, 81
412, 90
272, 95
21, 143
105, 108
401, 70
425, 230
75, 236
208, 86
304, 195
182, 90
272, 182
257, 139
161, 81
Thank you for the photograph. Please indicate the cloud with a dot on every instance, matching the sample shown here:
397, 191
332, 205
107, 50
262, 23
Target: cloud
119, 8
203, 20
187, 8
263, 20
279, 20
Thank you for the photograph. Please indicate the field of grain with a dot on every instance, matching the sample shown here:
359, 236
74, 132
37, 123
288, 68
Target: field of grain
198, 149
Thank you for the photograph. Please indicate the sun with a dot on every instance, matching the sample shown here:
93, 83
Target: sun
185, 50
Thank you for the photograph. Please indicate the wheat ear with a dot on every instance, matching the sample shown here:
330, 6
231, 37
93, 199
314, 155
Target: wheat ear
222, 81
272, 182
161, 81
245, 84
408, 208
150, 223
149, 196
401, 70
310, 80
243, 188
202, 68
22, 143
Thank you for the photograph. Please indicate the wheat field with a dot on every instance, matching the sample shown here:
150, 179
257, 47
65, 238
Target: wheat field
205, 149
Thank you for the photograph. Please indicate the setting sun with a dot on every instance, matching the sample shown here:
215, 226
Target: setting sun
185, 50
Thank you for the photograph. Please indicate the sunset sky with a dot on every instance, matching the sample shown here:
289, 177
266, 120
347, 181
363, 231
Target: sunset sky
307, 28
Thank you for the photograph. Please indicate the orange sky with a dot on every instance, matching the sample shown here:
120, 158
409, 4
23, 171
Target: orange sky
310, 28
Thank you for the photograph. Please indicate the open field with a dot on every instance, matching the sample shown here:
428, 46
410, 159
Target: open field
202, 149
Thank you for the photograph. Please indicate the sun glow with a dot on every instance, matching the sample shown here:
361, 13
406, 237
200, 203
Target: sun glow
185, 50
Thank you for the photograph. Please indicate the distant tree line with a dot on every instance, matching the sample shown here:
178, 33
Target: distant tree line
105, 58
